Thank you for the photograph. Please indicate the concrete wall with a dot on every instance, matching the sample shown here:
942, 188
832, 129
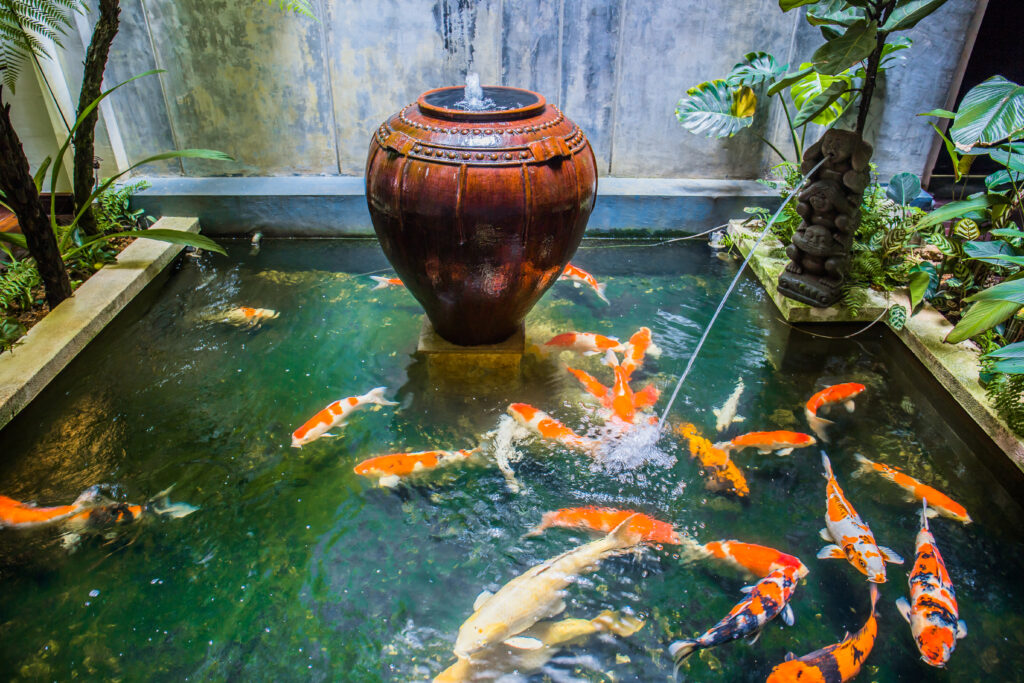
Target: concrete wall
288, 96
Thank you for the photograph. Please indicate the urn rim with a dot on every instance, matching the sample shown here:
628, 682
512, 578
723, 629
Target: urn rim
532, 109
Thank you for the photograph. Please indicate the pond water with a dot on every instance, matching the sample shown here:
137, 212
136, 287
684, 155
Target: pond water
295, 568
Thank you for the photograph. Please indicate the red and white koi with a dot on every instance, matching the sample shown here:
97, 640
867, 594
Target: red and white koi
604, 520
850, 537
587, 343
765, 600
578, 277
758, 560
837, 393
933, 615
833, 664
386, 282
549, 428
334, 415
639, 346
18, 515
782, 442
938, 503
390, 469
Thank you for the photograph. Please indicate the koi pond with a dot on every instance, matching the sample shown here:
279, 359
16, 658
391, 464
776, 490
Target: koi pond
294, 567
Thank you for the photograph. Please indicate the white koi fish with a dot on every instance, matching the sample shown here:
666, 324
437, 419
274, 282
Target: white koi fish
726, 415
334, 415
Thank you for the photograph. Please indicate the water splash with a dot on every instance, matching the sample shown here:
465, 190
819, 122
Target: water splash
622, 450
473, 98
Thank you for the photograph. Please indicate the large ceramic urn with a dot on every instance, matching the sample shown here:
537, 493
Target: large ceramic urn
479, 211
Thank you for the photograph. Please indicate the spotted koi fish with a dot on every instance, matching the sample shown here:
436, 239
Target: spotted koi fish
578, 277
758, 560
934, 617
645, 398
549, 428
767, 599
390, 469
385, 282
244, 316
721, 472
18, 515
856, 543
837, 393
637, 349
938, 502
335, 414
604, 520
833, 664
112, 513
782, 442
587, 343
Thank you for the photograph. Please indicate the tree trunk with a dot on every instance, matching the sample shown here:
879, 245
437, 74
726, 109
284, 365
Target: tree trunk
92, 82
21, 195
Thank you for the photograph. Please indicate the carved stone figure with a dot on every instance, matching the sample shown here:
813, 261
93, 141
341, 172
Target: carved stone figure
830, 208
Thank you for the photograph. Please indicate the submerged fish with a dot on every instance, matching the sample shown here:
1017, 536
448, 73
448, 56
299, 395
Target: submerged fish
243, 316
496, 662
765, 600
933, 615
639, 346
843, 526
782, 442
392, 468
579, 276
938, 502
334, 415
113, 513
19, 515
833, 664
726, 415
645, 398
721, 472
837, 393
759, 560
534, 595
549, 428
604, 520
385, 282
587, 343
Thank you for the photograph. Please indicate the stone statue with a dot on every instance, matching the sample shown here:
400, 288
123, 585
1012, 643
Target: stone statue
830, 208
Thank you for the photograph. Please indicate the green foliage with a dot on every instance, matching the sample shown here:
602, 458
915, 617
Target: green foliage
21, 24
17, 281
10, 332
782, 178
990, 112
111, 207
1006, 393
716, 109
303, 7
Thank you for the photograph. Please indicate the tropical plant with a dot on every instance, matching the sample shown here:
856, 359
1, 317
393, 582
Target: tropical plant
783, 178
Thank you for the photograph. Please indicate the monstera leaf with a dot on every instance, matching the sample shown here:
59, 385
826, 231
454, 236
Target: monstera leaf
838, 55
756, 68
990, 113
816, 94
716, 109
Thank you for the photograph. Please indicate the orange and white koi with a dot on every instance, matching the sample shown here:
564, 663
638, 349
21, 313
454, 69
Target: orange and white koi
392, 468
833, 664
934, 617
837, 393
579, 276
587, 343
335, 414
721, 472
726, 415
856, 543
782, 442
549, 428
19, 515
759, 560
645, 398
385, 282
623, 405
604, 520
767, 599
639, 346
244, 316
938, 503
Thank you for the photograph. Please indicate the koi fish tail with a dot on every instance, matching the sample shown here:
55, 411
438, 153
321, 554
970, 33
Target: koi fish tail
161, 505
924, 514
382, 282
818, 425
691, 551
599, 288
827, 464
864, 466
610, 359
653, 350
874, 597
623, 625
724, 446
681, 650
377, 396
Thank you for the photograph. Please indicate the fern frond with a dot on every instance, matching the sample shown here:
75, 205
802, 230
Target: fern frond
1007, 395
303, 7
22, 23
17, 283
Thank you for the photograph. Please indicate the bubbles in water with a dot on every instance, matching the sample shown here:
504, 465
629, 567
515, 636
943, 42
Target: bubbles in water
625, 450
508, 433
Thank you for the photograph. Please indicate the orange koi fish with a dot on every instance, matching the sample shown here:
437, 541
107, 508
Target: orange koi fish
645, 398
768, 598
579, 276
604, 520
587, 343
18, 515
938, 502
837, 393
623, 402
833, 664
934, 617
856, 543
636, 349
244, 316
722, 473
758, 560
335, 414
549, 428
390, 469
385, 282
782, 442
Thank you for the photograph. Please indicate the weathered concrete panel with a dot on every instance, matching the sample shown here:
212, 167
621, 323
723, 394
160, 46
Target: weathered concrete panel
249, 80
530, 46
668, 47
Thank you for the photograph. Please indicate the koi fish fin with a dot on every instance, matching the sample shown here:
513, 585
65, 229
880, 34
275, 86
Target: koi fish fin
850, 406
328, 435
818, 425
890, 555
831, 552
653, 350
789, 657
623, 536
623, 625
382, 282
931, 514
377, 396
69, 541
961, 629
864, 466
904, 608
599, 288
784, 451
827, 464
787, 615
753, 639
174, 510
826, 535
874, 597
924, 513
610, 359
723, 446
681, 649
591, 353
716, 412
524, 643
746, 589
764, 451
481, 599
389, 481
739, 418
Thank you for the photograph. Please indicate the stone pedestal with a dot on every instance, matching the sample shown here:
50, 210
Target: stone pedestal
484, 367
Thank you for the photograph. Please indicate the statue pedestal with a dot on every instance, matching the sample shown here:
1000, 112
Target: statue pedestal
481, 367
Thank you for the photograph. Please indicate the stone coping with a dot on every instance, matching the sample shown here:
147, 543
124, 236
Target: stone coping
56, 339
954, 366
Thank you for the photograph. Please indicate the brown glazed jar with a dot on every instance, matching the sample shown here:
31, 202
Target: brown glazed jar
479, 211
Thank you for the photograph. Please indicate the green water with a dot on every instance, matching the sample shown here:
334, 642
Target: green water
295, 568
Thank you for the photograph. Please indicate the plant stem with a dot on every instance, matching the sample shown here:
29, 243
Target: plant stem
765, 141
871, 71
797, 144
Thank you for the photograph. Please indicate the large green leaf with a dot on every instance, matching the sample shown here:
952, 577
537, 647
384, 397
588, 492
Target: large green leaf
189, 239
756, 68
814, 86
959, 209
918, 285
1002, 178
786, 5
941, 113
889, 58
982, 316
14, 238
1011, 290
1015, 350
817, 108
835, 13
840, 54
903, 188
909, 12
997, 252
990, 112
790, 79
715, 109
1010, 156
1011, 366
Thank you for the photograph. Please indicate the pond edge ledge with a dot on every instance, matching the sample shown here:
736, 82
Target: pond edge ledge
954, 366
54, 341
